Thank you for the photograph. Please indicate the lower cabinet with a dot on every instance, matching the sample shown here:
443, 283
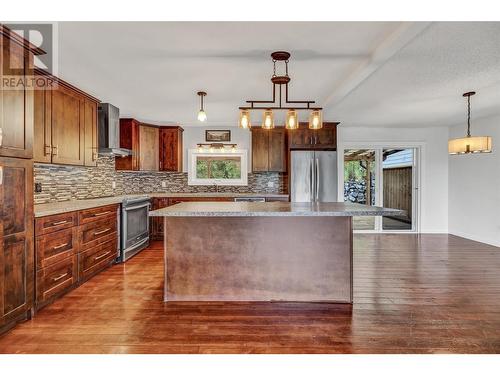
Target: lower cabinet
71, 248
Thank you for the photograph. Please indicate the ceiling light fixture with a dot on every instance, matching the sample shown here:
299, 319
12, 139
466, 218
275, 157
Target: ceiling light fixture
245, 122
280, 103
202, 116
469, 144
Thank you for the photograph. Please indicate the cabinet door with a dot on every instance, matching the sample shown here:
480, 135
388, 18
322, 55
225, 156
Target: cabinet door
171, 150
129, 139
277, 150
90, 116
16, 105
42, 143
157, 222
260, 150
148, 148
68, 127
301, 138
16, 239
326, 137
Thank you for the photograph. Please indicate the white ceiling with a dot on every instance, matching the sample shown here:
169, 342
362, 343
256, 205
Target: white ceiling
362, 73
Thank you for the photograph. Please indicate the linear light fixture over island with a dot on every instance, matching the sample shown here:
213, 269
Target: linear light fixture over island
248, 251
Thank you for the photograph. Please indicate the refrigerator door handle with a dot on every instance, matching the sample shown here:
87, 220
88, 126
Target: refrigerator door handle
317, 179
311, 179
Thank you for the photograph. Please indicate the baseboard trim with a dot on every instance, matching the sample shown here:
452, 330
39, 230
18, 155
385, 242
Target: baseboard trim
475, 238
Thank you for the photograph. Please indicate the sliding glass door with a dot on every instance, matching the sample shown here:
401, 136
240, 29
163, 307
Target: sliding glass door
360, 183
382, 176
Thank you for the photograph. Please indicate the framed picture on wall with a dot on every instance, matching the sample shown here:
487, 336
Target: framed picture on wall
218, 135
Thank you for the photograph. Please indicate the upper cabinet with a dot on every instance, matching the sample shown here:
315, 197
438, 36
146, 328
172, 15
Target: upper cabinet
154, 148
268, 150
149, 148
16, 104
65, 125
307, 139
171, 148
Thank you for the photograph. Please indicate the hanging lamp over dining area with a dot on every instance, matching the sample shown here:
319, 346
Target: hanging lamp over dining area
469, 144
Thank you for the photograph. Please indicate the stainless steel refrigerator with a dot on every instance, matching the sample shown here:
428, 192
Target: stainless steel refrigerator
314, 176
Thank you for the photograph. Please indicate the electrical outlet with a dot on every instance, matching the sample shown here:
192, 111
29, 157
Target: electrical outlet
270, 184
164, 184
113, 185
38, 187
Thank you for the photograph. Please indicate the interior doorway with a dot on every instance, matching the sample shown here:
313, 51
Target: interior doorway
383, 176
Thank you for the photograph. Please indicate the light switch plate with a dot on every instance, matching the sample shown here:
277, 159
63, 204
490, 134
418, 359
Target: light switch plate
164, 184
113, 185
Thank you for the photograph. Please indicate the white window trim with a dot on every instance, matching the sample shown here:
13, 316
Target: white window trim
194, 153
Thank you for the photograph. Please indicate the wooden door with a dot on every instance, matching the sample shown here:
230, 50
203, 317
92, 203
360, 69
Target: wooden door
277, 150
16, 105
301, 138
16, 239
90, 116
68, 127
129, 139
326, 137
42, 142
260, 150
148, 148
171, 149
156, 223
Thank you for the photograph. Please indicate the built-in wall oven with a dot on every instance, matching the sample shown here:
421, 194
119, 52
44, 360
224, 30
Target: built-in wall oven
134, 226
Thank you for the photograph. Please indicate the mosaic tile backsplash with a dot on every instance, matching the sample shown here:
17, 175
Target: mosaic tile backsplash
61, 183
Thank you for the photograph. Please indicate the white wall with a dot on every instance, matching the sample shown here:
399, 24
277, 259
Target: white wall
474, 185
196, 134
434, 179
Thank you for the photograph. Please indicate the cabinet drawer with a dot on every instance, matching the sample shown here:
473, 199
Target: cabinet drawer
97, 232
96, 259
93, 214
53, 247
56, 278
54, 223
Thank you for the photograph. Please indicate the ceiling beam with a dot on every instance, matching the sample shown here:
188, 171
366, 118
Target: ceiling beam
391, 45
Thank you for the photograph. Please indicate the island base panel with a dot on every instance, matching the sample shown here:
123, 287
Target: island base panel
258, 259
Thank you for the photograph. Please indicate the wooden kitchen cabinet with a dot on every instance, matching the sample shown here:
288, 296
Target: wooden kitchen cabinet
171, 148
72, 247
156, 223
269, 150
153, 147
90, 120
16, 105
149, 149
307, 139
16, 240
65, 124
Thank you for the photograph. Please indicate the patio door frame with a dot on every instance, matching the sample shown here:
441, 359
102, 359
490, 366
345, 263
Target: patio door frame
417, 178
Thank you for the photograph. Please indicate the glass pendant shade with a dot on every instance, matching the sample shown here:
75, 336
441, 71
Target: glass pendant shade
202, 116
292, 119
268, 120
469, 145
315, 120
244, 122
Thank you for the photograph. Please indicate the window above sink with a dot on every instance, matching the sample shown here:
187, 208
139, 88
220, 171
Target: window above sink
215, 167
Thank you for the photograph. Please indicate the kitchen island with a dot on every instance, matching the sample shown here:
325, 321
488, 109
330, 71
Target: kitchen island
248, 251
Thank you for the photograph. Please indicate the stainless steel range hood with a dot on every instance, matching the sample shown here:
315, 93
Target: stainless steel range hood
109, 131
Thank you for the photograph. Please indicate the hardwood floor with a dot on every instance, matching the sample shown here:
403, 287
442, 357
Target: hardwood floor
413, 294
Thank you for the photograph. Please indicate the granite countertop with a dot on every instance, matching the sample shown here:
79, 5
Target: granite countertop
46, 209
240, 209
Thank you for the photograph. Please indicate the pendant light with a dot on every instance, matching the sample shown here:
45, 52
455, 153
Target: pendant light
244, 122
315, 120
202, 116
469, 144
268, 119
292, 119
